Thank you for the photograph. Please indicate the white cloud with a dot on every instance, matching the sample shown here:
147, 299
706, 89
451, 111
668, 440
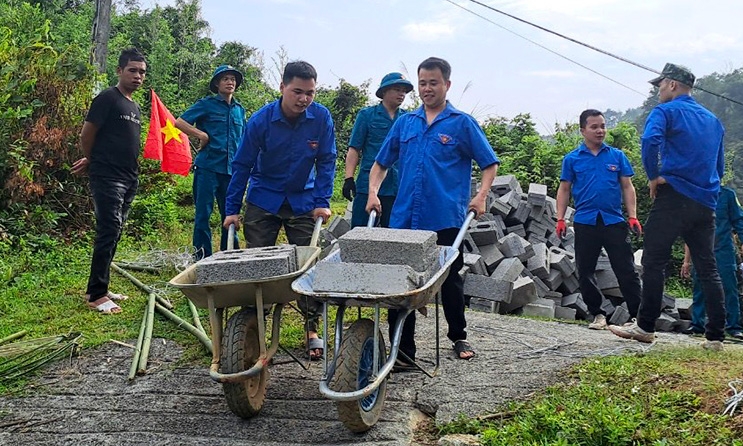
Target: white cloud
435, 30
551, 73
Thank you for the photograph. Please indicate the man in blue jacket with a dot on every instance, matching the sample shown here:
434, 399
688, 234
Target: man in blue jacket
434, 147
287, 153
728, 218
217, 121
369, 131
683, 155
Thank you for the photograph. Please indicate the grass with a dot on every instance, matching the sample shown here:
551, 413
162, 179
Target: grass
669, 397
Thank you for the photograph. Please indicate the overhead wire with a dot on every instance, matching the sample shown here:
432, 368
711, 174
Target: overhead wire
578, 42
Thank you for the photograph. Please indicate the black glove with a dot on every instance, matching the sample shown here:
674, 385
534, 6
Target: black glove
349, 188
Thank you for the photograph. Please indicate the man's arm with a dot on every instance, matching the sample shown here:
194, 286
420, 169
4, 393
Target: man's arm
629, 196
686, 266
192, 131
325, 167
87, 139
352, 161
563, 198
653, 141
376, 176
477, 203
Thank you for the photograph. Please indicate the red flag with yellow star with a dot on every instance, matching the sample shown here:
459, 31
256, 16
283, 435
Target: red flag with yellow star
165, 142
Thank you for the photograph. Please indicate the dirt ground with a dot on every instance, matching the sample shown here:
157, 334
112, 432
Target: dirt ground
89, 401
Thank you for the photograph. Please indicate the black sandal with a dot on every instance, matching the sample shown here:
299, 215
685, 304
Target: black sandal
462, 346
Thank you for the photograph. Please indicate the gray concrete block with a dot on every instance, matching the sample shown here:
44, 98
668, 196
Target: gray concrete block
620, 315
569, 284
516, 229
536, 212
492, 256
566, 314
349, 211
511, 198
668, 301
603, 263
524, 290
476, 264
485, 233
612, 292
539, 263
339, 226
551, 208
414, 248
513, 245
535, 239
638, 261
519, 215
562, 261
683, 324
608, 307
683, 306
554, 240
536, 310
542, 288
500, 208
469, 245
484, 305
367, 278
554, 280
504, 184
575, 301
537, 194
326, 238
538, 228
487, 288
247, 264
606, 279
665, 323
508, 270
673, 312
569, 212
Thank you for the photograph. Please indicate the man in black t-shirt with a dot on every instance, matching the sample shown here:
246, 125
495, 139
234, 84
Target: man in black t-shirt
110, 140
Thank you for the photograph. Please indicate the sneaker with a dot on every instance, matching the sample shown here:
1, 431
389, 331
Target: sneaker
599, 322
736, 334
715, 346
632, 331
693, 330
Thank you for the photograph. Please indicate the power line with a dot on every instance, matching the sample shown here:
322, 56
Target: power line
548, 49
607, 53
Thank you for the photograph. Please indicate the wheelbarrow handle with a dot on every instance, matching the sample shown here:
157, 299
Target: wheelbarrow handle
372, 219
231, 237
463, 230
316, 232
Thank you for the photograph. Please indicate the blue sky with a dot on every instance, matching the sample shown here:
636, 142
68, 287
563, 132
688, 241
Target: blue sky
494, 73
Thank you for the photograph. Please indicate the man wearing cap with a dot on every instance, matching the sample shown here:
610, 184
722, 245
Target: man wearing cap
600, 179
369, 131
683, 155
217, 121
435, 146
287, 154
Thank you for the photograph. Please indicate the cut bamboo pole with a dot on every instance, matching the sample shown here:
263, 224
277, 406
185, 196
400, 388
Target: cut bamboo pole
147, 341
196, 318
18, 335
138, 348
141, 285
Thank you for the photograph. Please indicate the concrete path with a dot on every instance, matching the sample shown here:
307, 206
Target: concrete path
90, 402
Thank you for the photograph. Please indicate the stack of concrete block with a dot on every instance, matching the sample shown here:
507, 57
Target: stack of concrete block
379, 261
247, 264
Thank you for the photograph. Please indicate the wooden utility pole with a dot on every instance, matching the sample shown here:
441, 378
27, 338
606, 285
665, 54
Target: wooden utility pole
101, 31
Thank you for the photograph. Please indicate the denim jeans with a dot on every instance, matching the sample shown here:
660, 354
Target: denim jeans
589, 239
112, 199
208, 186
673, 215
262, 229
732, 304
452, 299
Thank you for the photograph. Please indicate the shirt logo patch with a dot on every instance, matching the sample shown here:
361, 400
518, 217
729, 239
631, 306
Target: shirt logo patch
612, 167
445, 139
313, 144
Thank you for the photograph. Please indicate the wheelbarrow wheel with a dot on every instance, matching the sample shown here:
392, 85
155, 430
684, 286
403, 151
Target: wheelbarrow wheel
354, 371
240, 351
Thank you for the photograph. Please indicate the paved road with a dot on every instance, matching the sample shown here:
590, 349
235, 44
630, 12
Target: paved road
89, 402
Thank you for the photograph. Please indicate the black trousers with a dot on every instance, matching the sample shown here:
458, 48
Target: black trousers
112, 199
452, 299
673, 215
589, 239
262, 229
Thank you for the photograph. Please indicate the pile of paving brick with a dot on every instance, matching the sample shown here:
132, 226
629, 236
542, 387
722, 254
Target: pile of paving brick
515, 263
247, 264
378, 261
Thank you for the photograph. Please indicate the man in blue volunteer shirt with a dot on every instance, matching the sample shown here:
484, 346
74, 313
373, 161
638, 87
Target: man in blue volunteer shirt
434, 147
369, 131
728, 218
600, 179
683, 155
288, 154
217, 121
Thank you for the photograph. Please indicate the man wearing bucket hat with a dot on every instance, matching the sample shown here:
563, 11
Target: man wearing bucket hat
217, 121
683, 155
369, 131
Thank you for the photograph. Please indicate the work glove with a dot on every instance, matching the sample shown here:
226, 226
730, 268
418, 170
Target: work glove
635, 226
561, 229
349, 188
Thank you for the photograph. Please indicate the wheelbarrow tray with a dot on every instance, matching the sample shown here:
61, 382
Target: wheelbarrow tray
411, 299
240, 293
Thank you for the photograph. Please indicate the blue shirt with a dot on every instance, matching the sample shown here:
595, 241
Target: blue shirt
728, 218
435, 165
682, 143
284, 161
596, 183
224, 124
369, 131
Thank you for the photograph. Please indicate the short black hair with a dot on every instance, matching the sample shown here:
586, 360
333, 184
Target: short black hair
588, 114
436, 62
300, 69
130, 55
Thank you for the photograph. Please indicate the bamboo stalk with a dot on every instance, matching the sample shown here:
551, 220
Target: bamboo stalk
138, 348
196, 318
142, 268
13, 337
141, 285
188, 327
145, 353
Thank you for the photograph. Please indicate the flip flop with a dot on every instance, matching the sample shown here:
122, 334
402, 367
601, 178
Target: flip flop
104, 305
315, 344
113, 296
462, 346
